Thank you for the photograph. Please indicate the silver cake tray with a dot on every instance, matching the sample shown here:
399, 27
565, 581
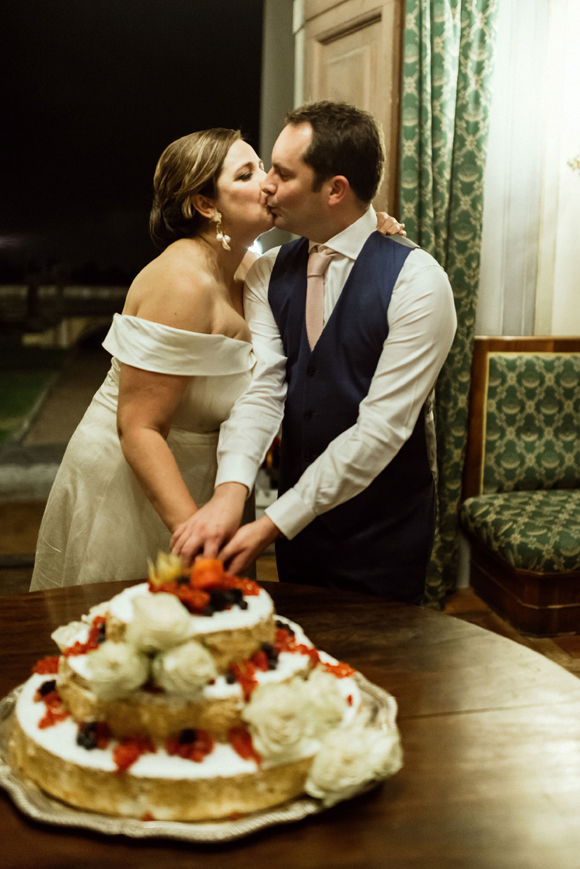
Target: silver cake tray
37, 804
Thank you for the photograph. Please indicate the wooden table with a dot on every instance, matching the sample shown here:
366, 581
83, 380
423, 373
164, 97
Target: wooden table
490, 729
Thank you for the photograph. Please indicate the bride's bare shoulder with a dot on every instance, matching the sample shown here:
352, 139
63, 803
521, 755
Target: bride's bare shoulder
175, 289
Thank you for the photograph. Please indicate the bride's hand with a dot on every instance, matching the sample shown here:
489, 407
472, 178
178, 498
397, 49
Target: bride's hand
387, 225
210, 527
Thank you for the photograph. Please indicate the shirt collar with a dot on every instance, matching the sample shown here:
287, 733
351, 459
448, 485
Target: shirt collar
351, 240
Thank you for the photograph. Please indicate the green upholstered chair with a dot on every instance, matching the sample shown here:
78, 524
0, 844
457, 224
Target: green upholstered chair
521, 511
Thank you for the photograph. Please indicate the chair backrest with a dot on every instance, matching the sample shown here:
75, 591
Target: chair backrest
524, 426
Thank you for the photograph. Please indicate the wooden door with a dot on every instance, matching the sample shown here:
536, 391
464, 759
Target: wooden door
352, 51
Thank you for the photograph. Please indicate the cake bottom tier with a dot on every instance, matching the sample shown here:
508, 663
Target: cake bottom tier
174, 799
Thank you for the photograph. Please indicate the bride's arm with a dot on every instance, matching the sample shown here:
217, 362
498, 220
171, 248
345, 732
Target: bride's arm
147, 402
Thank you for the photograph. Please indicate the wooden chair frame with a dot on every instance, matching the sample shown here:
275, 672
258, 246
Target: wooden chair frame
540, 604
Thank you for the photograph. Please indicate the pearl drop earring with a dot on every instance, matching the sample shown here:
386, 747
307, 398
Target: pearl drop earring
219, 233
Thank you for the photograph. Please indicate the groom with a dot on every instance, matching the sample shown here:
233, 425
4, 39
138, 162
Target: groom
363, 324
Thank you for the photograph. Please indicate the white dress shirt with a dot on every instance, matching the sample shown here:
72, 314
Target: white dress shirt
422, 321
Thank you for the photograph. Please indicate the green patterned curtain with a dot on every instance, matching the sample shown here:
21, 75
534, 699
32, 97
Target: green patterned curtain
447, 64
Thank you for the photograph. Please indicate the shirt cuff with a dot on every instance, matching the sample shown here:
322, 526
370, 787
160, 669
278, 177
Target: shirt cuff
290, 514
237, 469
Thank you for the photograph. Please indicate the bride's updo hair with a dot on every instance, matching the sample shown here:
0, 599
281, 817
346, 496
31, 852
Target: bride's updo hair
188, 166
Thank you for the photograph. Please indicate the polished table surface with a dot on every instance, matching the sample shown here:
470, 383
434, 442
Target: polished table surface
490, 731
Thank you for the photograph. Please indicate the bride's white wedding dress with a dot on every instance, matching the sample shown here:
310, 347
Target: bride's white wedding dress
98, 525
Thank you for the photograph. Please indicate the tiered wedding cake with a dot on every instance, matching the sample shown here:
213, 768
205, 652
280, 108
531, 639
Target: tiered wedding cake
187, 698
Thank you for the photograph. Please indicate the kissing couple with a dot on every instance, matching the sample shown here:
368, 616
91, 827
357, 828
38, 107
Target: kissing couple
337, 336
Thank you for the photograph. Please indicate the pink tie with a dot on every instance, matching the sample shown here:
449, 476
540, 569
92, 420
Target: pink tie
317, 265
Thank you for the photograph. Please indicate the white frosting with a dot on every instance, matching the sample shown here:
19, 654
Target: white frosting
66, 635
60, 740
260, 607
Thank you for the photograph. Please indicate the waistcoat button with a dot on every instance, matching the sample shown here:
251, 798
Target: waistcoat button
308, 414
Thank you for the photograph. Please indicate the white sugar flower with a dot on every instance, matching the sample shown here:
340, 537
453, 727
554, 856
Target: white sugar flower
279, 719
185, 669
160, 621
351, 757
116, 669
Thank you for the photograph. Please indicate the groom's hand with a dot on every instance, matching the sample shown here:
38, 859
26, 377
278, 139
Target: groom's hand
248, 543
206, 531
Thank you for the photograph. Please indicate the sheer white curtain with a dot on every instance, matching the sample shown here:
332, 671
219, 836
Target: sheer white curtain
530, 259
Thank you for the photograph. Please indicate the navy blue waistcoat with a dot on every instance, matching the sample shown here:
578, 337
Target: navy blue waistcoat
326, 385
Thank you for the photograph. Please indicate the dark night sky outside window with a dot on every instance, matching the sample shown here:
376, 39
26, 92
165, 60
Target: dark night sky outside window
91, 91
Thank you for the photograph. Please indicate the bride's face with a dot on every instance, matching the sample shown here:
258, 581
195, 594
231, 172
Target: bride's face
240, 201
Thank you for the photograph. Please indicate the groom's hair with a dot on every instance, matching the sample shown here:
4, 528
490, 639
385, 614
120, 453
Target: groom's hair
345, 141
188, 166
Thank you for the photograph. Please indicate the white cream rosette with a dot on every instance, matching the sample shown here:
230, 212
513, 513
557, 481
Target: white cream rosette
160, 621
327, 704
116, 669
280, 721
351, 757
185, 669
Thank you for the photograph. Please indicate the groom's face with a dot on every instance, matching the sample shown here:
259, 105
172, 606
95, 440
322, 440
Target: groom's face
288, 185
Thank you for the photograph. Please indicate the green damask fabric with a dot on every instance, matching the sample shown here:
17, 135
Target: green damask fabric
532, 433
447, 63
537, 531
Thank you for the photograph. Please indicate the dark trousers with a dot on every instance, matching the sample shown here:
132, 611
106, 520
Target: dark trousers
385, 559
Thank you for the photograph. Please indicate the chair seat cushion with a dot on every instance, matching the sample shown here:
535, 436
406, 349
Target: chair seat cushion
537, 530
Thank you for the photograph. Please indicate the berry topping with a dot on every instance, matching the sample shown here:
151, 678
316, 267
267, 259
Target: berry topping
93, 734
220, 600
241, 741
196, 745
245, 673
130, 750
286, 642
260, 660
194, 599
284, 627
52, 717
187, 735
271, 654
247, 586
55, 712
48, 666
208, 589
45, 688
97, 635
339, 670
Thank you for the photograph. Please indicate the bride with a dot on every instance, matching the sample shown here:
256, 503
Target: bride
143, 459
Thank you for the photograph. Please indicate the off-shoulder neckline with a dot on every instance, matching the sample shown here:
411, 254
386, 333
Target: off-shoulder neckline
182, 331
